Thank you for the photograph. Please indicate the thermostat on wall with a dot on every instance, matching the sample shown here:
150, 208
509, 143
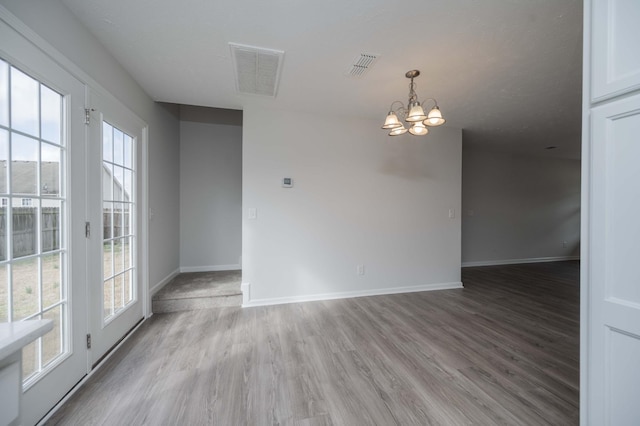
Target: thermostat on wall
287, 182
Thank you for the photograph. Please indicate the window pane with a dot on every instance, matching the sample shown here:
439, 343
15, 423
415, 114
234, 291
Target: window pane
128, 289
3, 230
25, 289
24, 161
4, 155
118, 183
30, 359
128, 151
117, 220
4, 93
51, 104
52, 341
118, 147
107, 220
118, 291
4, 294
24, 103
107, 257
50, 170
118, 262
127, 216
107, 181
126, 252
128, 186
24, 231
107, 294
50, 225
51, 279
107, 141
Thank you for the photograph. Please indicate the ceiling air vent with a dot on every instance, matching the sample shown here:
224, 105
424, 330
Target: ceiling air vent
257, 70
362, 64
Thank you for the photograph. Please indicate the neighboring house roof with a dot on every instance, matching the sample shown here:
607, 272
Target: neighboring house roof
24, 177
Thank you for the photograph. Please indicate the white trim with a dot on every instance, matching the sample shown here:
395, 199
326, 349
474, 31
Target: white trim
156, 288
211, 268
143, 205
79, 385
245, 288
517, 261
346, 294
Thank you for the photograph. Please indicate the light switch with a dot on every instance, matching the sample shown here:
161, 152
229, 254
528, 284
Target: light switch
253, 213
452, 213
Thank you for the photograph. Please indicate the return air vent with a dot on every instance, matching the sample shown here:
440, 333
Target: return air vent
257, 70
362, 64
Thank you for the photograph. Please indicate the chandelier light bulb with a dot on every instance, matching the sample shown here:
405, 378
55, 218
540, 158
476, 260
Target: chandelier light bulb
418, 129
391, 122
416, 113
398, 131
435, 117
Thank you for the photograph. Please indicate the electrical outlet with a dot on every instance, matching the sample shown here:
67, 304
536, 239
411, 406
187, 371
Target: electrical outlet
252, 213
360, 269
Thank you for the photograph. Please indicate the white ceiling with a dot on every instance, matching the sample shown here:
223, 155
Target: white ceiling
506, 71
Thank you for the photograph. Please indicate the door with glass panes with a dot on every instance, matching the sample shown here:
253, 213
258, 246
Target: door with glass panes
42, 210
115, 279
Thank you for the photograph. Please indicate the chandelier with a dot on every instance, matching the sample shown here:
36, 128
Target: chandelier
413, 114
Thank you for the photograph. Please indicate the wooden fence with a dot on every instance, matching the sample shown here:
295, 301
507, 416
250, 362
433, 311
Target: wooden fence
24, 220
25, 240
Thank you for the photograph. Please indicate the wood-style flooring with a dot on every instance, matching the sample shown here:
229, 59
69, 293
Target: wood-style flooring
504, 350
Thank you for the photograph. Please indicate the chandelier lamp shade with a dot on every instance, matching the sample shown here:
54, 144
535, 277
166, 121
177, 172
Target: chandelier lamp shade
413, 113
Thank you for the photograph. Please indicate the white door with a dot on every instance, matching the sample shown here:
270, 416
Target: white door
115, 183
42, 244
610, 385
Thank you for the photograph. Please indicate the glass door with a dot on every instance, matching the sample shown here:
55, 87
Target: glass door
115, 276
42, 245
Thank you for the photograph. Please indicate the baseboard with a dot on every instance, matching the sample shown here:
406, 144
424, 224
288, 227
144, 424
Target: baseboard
247, 302
211, 268
517, 261
156, 288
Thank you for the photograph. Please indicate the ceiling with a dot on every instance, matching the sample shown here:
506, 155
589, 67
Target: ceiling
508, 72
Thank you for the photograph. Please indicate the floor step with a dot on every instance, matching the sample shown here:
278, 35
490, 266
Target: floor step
199, 290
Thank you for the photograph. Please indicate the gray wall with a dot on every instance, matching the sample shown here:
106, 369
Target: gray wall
519, 208
359, 198
210, 189
55, 23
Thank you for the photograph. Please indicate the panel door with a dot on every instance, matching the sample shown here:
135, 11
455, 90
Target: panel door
614, 317
615, 41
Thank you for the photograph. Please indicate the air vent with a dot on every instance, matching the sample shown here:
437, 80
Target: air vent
362, 64
257, 70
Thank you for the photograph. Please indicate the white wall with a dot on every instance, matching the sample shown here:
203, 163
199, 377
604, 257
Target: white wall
210, 196
519, 208
58, 26
359, 197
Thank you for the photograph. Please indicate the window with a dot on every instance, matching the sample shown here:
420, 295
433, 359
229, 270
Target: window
32, 255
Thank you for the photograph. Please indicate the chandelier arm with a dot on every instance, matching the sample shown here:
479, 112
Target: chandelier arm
430, 99
396, 102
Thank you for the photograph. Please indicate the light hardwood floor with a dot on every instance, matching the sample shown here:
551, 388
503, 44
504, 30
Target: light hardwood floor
503, 350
